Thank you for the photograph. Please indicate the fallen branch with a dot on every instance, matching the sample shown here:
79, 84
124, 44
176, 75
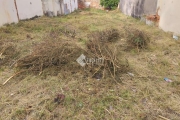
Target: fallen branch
12, 77
163, 117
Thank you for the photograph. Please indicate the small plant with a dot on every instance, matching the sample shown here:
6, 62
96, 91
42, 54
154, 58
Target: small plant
19, 114
108, 35
110, 4
137, 38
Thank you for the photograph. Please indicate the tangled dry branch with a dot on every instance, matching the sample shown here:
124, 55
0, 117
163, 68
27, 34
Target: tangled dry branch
108, 53
7, 51
48, 54
137, 38
60, 54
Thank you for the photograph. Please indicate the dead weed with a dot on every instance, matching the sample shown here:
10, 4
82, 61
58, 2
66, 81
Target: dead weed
109, 35
137, 38
59, 55
7, 52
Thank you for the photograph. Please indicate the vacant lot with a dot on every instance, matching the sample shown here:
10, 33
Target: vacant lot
72, 92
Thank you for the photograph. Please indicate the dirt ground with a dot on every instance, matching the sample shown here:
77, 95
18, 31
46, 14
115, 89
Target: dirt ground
139, 94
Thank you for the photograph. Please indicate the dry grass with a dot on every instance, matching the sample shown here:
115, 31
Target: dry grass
7, 51
146, 96
57, 54
109, 35
50, 54
100, 44
137, 38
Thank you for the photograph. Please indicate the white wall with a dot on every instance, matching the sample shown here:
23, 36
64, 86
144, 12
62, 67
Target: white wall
71, 6
169, 11
47, 5
137, 8
57, 9
29, 8
74, 5
150, 7
8, 13
59, 6
51, 6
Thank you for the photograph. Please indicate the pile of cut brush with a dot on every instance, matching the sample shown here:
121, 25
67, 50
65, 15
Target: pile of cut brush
51, 53
61, 54
137, 38
100, 45
7, 51
109, 35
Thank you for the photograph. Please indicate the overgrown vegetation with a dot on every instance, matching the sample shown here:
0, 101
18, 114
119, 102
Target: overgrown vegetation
61, 55
100, 45
62, 89
137, 38
52, 53
109, 35
7, 51
110, 4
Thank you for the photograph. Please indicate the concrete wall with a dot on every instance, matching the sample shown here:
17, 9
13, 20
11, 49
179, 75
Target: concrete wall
89, 3
8, 13
52, 7
29, 8
95, 3
137, 8
70, 6
150, 7
169, 15
59, 7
